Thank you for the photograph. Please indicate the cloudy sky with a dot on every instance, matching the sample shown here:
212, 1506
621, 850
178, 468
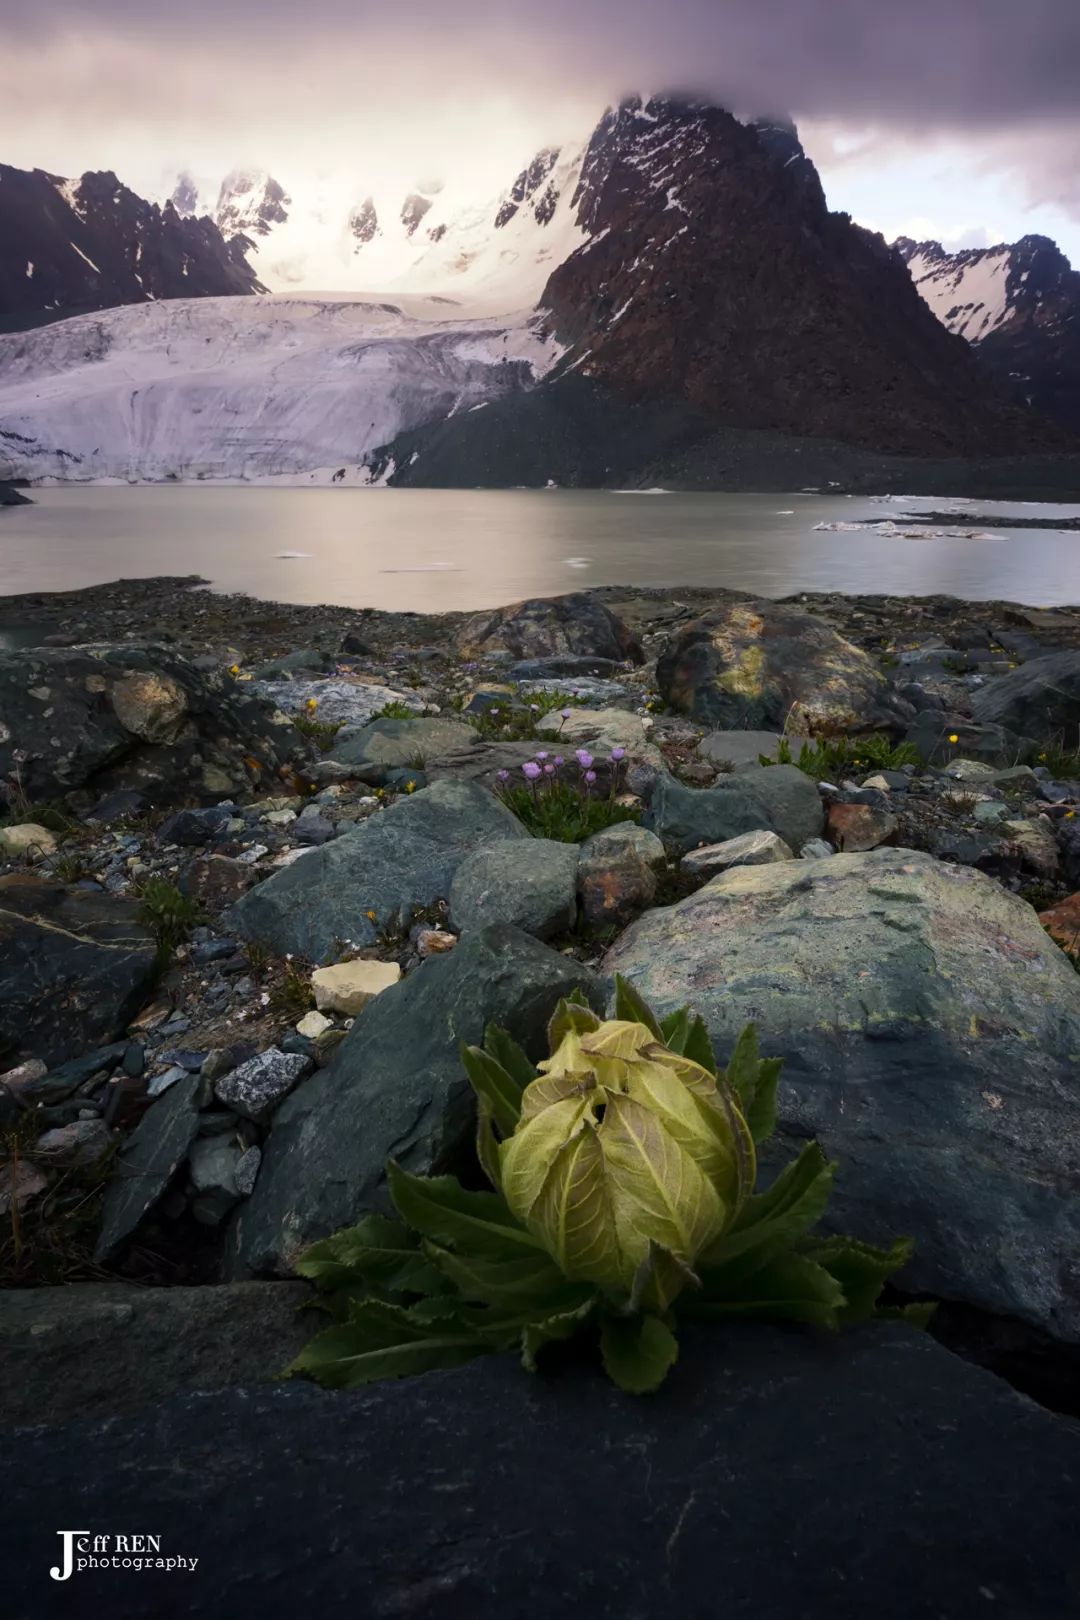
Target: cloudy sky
951, 118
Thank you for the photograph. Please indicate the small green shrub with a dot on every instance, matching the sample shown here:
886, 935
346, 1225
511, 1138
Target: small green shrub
321, 732
168, 914
395, 710
291, 995
826, 759
622, 1176
1060, 760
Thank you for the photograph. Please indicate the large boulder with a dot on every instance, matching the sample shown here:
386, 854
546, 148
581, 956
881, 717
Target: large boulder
94, 1349
1041, 699
75, 966
531, 886
133, 717
777, 1474
930, 1032
781, 799
403, 857
396, 1088
346, 704
769, 666
546, 626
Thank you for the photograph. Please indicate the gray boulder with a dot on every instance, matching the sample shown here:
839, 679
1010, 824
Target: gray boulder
1041, 699
403, 857
545, 626
75, 966
929, 1030
778, 1474
931, 732
396, 1088
780, 799
133, 717
529, 884
771, 666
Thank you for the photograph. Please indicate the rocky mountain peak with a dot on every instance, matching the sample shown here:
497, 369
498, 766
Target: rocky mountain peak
251, 202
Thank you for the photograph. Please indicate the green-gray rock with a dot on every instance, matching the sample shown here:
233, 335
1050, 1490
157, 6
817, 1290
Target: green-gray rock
401, 742
147, 1163
780, 799
396, 1088
531, 885
930, 1032
402, 857
771, 666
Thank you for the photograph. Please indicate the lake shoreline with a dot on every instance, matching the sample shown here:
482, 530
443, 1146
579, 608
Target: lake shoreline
180, 611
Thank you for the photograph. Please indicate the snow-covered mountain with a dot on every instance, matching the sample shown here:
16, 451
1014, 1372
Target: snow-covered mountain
1019, 304
89, 243
492, 255
247, 388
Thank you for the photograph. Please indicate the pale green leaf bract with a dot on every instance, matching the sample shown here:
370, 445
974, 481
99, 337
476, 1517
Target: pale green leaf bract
638, 1352
375, 1253
675, 1029
659, 1280
631, 1006
572, 1013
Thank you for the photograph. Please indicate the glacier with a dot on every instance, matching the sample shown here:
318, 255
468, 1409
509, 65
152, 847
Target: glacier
260, 388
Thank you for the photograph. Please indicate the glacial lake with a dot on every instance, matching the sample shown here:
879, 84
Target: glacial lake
436, 550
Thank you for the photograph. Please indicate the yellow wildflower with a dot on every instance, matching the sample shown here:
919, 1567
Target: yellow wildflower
371, 915
954, 737
410, 787
312, 703
234, 669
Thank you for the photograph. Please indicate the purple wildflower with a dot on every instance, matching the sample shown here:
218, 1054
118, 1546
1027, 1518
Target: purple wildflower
617, 754
531, 770
590, 776
584, 758
559, 760
504, 776
565, 713
549, 770
542, 755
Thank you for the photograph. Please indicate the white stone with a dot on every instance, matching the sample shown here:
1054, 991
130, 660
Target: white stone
748, 849
313, 1024
26, 839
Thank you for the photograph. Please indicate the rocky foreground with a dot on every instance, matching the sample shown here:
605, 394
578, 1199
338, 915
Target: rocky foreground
263, 867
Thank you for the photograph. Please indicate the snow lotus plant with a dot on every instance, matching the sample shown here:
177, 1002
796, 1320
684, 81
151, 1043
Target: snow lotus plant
622, 1172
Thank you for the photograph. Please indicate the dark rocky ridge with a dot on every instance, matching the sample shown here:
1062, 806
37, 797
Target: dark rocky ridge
72, 246
716, 275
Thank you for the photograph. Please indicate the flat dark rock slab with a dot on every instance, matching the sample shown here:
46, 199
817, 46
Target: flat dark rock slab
780, 1476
